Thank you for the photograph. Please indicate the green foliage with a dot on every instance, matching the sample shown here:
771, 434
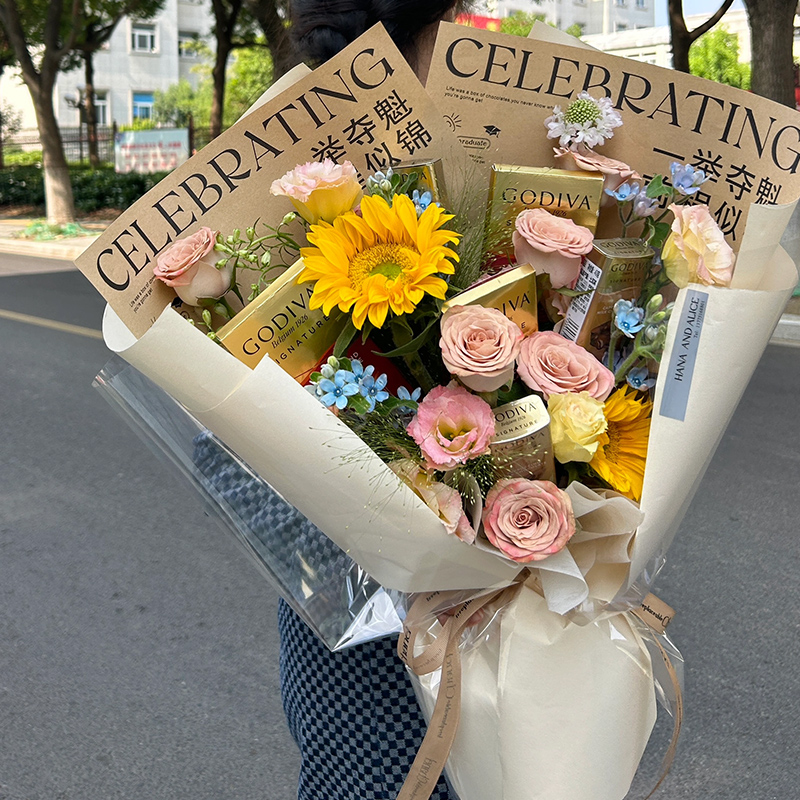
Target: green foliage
576, 30
22, 158
249, 74
174, 105
94, 189
139, 125
715, 56
520, 23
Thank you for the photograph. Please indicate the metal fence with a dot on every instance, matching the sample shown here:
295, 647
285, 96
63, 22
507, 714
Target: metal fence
76, 143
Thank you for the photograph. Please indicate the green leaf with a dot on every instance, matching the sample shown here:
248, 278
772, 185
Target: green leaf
656, 188
661, 231
572, 292
345, 339
358, 403
391, 403
414, 345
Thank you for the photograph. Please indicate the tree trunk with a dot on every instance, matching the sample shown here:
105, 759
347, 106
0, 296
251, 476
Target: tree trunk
282, 49
681, 38
771, 37
57, 186
90, 108
218, 77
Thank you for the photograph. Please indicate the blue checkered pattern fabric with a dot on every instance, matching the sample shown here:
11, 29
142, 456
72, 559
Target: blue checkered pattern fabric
353, 715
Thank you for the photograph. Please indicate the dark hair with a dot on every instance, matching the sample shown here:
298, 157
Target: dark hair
321, 28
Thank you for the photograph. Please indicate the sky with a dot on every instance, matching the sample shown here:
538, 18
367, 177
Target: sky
691, 7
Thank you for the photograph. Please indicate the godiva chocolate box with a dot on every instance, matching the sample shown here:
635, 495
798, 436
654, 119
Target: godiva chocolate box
564, 193
280, 324
614, 270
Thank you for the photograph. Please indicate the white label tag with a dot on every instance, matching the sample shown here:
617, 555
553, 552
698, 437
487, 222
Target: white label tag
588, 280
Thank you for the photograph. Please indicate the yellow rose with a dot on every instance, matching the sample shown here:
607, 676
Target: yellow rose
576, 424
320, 191
696, 250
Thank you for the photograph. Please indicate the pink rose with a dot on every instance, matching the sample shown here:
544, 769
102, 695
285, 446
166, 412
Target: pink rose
528, 520
550, 364
551, 244
696, 250
614, 172
320, 190
189, 267
479, 345
451, 426
443, 500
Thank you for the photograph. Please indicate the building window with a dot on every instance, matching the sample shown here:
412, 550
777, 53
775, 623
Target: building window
187, 44
580, 2
620, 2
143, 38
142, 105
640, 4
621, 26
101, 107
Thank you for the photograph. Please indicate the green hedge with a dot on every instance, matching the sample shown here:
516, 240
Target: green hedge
93, 189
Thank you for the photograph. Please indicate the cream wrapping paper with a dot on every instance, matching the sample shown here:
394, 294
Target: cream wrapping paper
309, 457
550, 710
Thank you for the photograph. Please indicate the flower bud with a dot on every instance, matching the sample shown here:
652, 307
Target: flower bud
654, 304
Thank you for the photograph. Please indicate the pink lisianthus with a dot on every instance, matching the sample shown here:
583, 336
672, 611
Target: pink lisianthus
696, 250
551, 244
479, 345
320, 191
528, 520
443, 500
614, 172
452, 426
550, 364
189, 267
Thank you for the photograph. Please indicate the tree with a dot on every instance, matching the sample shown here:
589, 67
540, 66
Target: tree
520, 22
234, 28
271, 16
682, 37
175, 105
96, 22
715, 55
771, 39
42, 36
248, 76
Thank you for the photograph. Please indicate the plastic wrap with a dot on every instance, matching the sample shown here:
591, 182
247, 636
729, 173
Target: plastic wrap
338, 600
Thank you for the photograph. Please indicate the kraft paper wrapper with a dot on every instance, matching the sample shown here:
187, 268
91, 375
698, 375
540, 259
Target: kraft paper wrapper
739, 322
311, 458
550, 710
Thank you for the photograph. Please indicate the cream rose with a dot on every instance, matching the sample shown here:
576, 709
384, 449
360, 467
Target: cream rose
528, 520
550, 364
551, 244
320, 191
696, 250
480, 346
614, 172
189, 267
577, 422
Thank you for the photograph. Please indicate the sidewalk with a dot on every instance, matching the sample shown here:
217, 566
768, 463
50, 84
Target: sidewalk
67, 250
63, 249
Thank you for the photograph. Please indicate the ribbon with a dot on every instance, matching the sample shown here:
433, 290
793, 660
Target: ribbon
443, 653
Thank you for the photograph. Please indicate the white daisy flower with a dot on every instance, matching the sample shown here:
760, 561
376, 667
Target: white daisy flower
586, 121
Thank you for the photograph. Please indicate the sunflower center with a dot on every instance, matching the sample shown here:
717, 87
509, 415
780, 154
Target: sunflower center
389, 260
582, 111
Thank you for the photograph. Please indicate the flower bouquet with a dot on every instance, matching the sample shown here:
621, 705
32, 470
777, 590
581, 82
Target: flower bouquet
464, 402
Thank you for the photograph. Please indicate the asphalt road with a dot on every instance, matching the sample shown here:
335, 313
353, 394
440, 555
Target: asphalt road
138, 646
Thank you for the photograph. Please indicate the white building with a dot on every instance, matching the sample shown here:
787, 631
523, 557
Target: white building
140, 58
653, 46
593, 16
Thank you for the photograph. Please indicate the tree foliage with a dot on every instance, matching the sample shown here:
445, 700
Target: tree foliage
520, 22
715, 55
680, 35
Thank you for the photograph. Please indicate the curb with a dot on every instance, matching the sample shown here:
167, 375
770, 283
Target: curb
66, 250
787, 331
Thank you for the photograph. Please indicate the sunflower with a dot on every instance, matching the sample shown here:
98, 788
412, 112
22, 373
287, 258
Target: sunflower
386, 259
620, 458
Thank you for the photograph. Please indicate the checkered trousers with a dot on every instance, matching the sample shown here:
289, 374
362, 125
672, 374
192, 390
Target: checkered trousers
352, 713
